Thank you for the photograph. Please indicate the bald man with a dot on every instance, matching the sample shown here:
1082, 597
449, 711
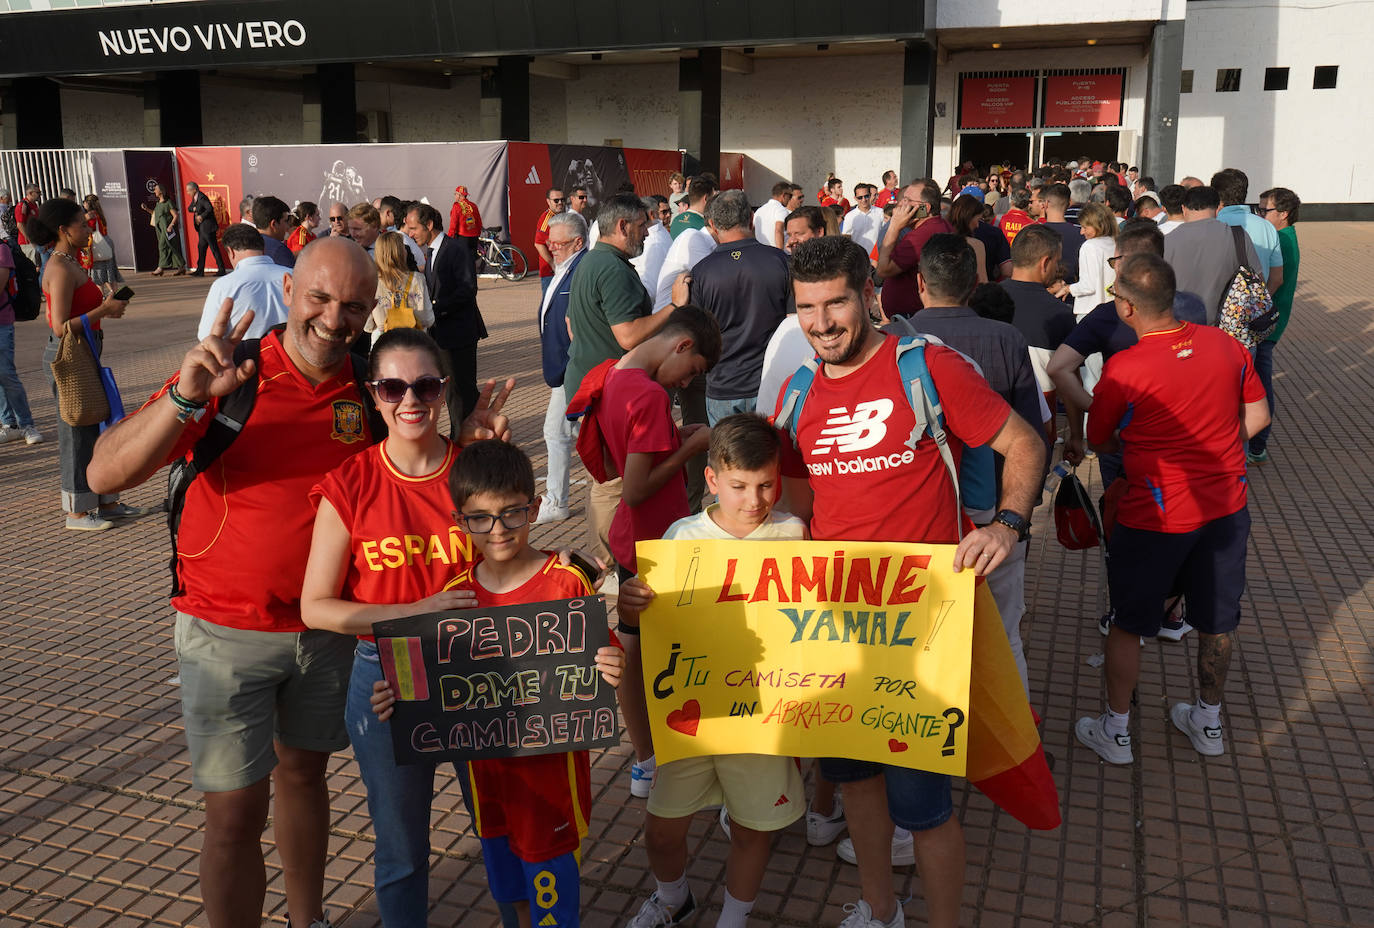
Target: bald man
262, 696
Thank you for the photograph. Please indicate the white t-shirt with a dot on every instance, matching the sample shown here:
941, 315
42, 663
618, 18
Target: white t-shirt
1169, 225
779, 526
766, 217
863, 227
687, 249
650, 260
787, 350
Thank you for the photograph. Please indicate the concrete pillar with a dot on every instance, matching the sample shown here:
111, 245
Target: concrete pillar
698, 112
171, 109
330, 105
1159, 146
37, 113
918, 110
505, 105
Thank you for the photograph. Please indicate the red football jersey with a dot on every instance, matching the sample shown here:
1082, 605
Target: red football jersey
246, 526
540, 804
541, 237
1176, 397
853, 436
403, 542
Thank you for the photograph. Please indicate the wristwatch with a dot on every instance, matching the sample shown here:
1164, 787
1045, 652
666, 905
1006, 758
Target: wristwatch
1014, 521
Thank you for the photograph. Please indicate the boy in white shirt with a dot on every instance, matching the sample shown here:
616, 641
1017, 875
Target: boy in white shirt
743, 471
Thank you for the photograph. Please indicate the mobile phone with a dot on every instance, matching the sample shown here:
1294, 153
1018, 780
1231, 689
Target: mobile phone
124, 293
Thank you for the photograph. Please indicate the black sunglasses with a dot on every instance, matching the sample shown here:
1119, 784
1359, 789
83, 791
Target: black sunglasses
336, 218
558, 199
482, 523
393, 389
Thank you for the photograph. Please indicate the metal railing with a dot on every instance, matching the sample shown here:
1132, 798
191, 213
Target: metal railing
51, 169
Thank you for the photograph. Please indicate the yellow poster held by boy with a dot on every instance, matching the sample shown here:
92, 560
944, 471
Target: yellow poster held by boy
808, 649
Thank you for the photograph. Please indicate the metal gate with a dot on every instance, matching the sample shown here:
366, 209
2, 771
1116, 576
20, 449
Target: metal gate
50, 169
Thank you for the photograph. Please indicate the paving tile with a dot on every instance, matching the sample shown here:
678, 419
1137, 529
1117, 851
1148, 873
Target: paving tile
100, 827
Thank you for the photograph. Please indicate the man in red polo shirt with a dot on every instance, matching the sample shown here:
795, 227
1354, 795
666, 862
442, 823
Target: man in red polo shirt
914, 220
262, 695
24, 210
557, 204
1180, 405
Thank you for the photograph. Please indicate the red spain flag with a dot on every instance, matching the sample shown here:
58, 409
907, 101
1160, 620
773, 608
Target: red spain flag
403, 664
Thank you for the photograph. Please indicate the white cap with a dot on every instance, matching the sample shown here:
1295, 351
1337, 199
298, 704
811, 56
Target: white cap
1072, 165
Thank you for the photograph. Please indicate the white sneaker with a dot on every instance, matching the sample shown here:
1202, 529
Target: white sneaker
1114, 749
1175, 624
903, 849
725, 822
88, 522
548, 512
9, 433
1206, 741
861, 916
822, 830
641, 781
32, 436
655, 914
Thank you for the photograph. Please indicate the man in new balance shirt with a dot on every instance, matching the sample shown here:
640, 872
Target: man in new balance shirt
262, 695
1180, 405
855, 475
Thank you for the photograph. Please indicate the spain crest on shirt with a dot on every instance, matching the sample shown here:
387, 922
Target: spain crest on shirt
348, 421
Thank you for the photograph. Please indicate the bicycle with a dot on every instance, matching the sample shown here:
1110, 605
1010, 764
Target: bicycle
506, 260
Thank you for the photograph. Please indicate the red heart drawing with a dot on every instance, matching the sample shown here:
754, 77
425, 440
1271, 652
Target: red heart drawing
895, 746
686, 719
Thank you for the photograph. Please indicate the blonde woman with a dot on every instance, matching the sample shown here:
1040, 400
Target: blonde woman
402, 297
1094, 273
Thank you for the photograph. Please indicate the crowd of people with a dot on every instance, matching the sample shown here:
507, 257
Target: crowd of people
1069, 309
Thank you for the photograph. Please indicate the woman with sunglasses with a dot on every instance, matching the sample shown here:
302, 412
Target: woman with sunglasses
365, 567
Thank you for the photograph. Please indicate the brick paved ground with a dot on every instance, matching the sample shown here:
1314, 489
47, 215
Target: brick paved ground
99, 825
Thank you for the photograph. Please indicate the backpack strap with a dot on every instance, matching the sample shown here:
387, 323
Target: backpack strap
798, 387
930, 416
1238, 239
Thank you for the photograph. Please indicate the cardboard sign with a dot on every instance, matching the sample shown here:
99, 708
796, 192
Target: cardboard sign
808, 649
499, 681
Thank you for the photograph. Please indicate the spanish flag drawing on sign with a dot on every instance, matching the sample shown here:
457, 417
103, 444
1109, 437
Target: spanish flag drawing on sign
403, 664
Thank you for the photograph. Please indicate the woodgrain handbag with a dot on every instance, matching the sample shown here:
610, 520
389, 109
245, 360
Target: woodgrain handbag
81, 397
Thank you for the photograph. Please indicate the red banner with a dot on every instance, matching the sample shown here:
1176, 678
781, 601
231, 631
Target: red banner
997, 103
1083, 100
219, 171
731, 171
529, 178
650, 169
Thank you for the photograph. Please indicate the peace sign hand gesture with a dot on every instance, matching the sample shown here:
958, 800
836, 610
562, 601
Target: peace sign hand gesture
486, 420
208, 370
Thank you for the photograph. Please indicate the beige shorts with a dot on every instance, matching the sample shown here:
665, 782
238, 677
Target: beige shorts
242, 690
759, 791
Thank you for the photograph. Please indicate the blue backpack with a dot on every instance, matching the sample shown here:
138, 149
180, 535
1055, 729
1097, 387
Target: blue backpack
973, 481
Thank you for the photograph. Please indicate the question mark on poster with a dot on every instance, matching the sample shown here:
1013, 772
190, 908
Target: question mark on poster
954, 717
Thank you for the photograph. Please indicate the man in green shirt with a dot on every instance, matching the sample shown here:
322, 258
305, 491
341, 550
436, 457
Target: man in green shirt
699, 192
1280, 207
609, 312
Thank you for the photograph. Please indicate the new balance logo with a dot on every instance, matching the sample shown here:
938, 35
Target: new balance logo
847, 433
533, 176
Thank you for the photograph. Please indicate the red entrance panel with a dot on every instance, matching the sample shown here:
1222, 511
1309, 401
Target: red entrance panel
997, 103
1083, 100
650, 169
219, 172
529, 178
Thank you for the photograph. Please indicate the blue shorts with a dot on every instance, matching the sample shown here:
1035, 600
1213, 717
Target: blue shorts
1206, 565
553, 888
917, 800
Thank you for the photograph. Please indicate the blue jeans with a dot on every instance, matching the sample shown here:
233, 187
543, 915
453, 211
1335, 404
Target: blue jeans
398, 798
14, 402
1264, 367
719, 409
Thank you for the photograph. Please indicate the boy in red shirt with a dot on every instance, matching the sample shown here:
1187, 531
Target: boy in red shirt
530, 813
633, 413
1180, 404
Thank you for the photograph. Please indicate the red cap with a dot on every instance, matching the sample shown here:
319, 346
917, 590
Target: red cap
461, 189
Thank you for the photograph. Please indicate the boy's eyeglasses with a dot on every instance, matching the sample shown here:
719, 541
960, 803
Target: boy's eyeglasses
393, 389
482, 523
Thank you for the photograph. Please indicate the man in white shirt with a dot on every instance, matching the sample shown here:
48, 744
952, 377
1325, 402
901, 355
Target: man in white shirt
861, 223
1171, 199
768, 218
256, 284
567, 243
687, 249
390, 212
649, 264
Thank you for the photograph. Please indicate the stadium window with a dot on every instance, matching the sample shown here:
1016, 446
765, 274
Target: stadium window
1324, 77
1228, 80
1275, 78
1185, 81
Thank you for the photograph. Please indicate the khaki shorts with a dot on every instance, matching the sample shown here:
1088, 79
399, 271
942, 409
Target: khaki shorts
759, 791
242, 689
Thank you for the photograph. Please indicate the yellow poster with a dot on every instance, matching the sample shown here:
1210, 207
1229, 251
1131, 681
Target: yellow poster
808, 649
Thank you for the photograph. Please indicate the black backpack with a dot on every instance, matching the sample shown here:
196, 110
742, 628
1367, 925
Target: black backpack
24, 292
230, 419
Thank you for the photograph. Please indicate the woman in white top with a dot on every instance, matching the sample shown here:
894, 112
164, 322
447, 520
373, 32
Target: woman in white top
402, 297
1094, 273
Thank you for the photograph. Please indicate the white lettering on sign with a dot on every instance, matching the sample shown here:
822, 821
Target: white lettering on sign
147, 40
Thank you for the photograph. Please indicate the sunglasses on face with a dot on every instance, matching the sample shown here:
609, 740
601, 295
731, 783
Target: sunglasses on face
1116, 294
336, 218
393, 389
481, 524
558, 199
580, 196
